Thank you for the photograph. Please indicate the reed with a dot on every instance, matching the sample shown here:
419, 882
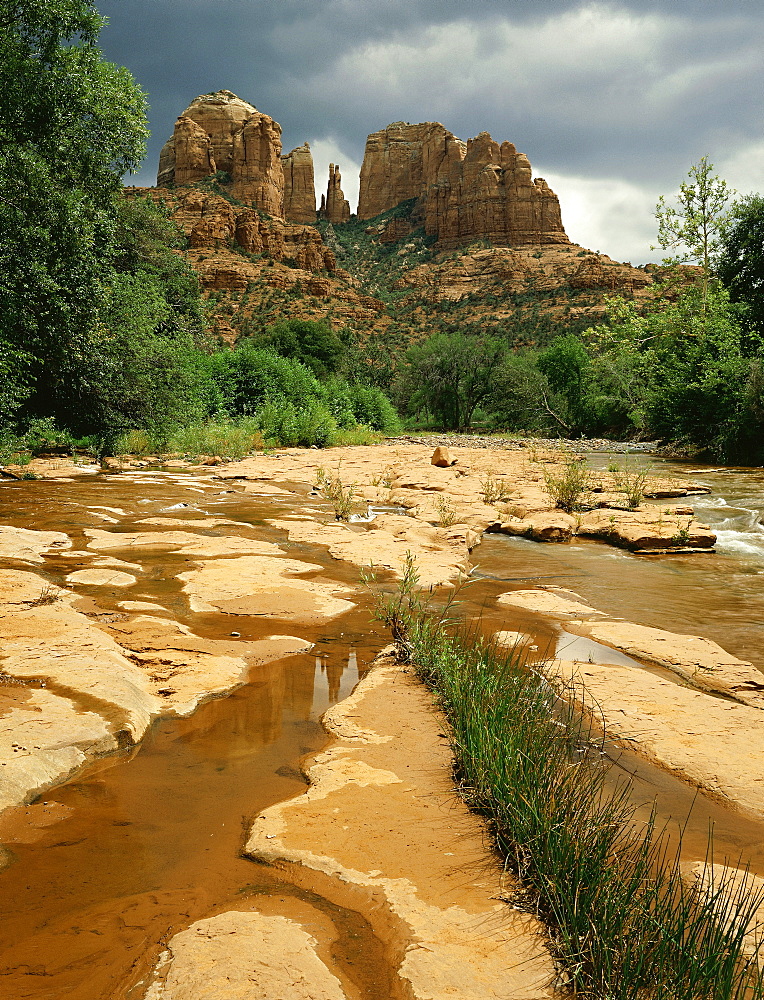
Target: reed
624, 924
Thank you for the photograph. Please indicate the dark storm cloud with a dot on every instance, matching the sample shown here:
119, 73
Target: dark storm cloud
631, 93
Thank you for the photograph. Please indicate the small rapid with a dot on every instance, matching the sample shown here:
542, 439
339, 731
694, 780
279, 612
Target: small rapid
738, 524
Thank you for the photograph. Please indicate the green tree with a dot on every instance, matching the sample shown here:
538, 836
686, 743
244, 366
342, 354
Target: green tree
694, 226
312, 342
70, 125
450, 375
741, 261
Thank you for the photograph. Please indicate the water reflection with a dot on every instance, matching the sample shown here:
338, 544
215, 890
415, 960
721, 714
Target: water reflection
142, 843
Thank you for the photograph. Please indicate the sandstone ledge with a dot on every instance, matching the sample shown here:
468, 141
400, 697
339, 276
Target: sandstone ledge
711, 743
699, 662
382, 825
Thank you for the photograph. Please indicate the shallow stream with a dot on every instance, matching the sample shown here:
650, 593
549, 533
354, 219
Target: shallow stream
109, 865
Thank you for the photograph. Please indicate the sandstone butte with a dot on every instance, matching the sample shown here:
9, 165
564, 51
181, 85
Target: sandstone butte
221, 132
469, 191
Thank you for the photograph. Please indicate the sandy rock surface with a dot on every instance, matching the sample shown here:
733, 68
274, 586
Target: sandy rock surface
713, 743
26, 545
44, 738
500, 490
698, 661
262, 585
423, 877
244, 956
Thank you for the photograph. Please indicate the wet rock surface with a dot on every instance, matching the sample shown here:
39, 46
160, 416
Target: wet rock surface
421, 874
88, 664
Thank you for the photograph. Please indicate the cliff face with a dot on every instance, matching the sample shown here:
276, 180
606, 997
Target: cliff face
491, 195
472, 191
299, 185
211, 222
221, 132
334, 207
402, 162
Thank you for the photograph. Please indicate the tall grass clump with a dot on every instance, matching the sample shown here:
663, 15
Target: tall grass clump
569, 488
624, 923
631, 482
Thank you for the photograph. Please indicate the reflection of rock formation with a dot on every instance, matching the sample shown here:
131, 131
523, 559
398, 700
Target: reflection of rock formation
299, 185
220, 132
334, 207
481, 190
334, 672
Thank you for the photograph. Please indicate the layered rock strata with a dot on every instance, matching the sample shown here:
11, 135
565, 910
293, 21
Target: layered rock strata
402, 162
220, 132
210, 222
334, 206
472, 191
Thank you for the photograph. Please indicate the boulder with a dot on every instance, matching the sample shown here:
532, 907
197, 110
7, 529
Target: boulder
442, 458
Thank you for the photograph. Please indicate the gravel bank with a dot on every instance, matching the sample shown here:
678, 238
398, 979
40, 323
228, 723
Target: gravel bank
515, 444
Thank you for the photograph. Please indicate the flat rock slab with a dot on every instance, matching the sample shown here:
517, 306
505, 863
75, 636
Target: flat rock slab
700, 661
252, 585
442, 555
381, 823
43, 739
63, 647
182, 542
547, 602
714, 744
244, 956
19, 589
184, 669
28, 546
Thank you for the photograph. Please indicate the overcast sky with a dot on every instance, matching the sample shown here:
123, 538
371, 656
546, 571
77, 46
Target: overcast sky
611, 102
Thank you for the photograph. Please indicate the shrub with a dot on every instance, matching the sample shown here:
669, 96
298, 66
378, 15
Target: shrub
569, 489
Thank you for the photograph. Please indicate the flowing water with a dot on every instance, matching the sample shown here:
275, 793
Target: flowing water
140, 844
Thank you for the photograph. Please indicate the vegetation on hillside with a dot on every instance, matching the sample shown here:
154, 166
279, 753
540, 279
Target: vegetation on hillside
687, 368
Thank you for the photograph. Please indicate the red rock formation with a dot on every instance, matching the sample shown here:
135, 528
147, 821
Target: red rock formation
299, 185
334, 207
257, 174
212, 223
478, 191
241, 141
402, 162
188, 156
491, 195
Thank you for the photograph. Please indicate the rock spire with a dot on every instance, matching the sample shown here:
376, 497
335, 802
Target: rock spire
334, 206
299, 185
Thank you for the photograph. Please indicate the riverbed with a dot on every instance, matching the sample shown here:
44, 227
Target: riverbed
140, 844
